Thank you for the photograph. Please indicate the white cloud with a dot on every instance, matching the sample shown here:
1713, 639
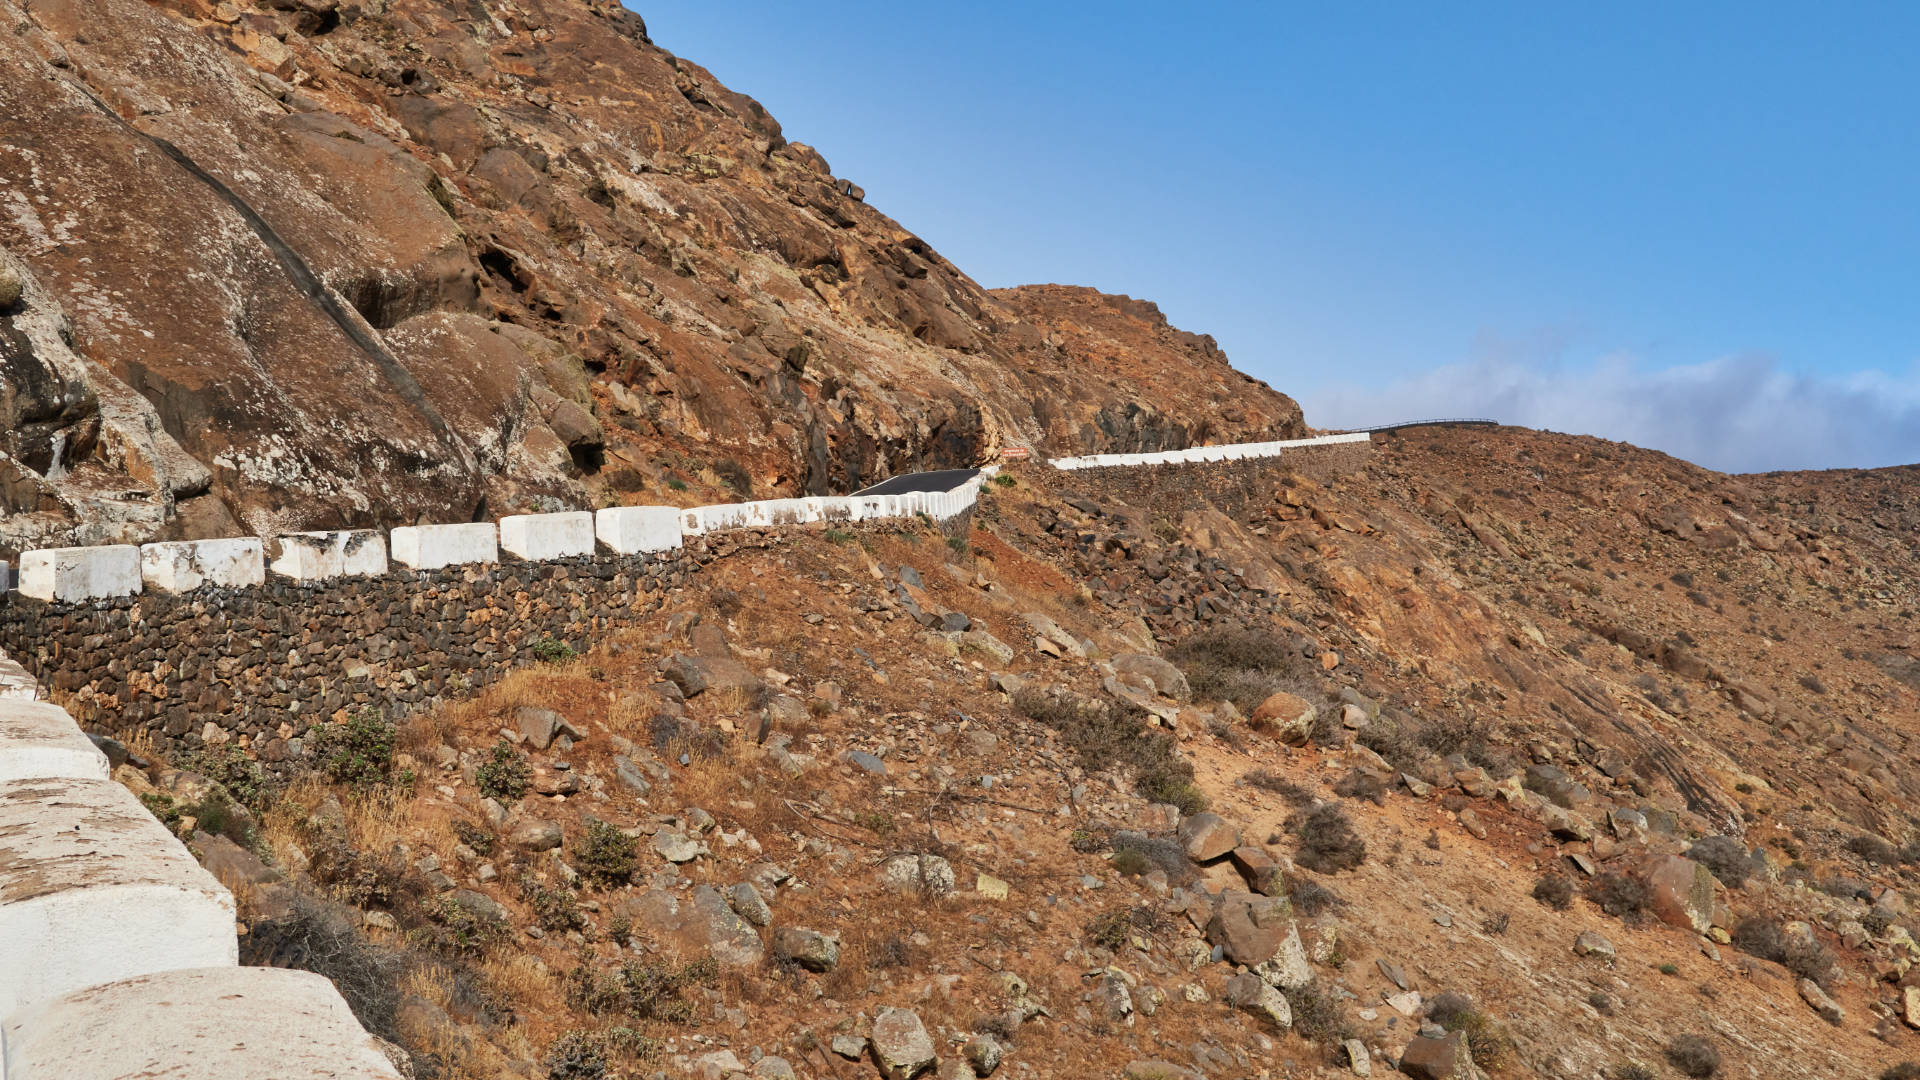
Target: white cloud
1740, 414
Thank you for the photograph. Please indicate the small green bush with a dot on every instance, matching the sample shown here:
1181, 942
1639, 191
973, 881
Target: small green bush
1004, 480
554, 909
231, 768
504, 774
837, 536
958, 544
357, 751
657, 991
607, 855
554, 651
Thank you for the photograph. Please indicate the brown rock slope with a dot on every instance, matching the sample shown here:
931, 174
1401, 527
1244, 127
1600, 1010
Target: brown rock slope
310, 263
1571, 749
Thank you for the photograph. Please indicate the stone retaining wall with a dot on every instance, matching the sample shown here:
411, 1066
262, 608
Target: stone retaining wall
263, 664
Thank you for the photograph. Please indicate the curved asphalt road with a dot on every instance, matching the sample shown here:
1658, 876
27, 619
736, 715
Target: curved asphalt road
940, 480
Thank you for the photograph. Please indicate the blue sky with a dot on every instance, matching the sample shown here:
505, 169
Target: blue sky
1694, 227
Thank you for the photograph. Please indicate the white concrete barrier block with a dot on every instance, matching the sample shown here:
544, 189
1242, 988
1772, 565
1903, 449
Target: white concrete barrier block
319, 556
635, 530
431, 547
80, 573
544, 537
219, 1023
831, 508
784, 512
93, 890
183, 566
38, 740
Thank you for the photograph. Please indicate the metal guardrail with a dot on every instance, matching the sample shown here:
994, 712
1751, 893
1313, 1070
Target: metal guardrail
1429, 423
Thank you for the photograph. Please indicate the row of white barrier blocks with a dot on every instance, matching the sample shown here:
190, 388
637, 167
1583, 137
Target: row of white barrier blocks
87, 573
1225, 452
117, 949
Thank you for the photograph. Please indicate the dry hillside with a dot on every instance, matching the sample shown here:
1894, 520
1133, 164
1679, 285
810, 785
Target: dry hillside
1467, 709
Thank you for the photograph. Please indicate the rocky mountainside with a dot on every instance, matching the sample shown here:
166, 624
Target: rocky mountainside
1507, 754
304, 263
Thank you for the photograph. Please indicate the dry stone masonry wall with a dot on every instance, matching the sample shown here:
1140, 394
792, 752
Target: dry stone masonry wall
254, 641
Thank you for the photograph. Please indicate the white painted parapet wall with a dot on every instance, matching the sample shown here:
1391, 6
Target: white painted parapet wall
221, 1023
1227, 452
118, 955
76, 575
94, 889
39, 741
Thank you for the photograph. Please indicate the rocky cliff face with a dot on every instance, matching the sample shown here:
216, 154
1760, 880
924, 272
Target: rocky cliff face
308, 263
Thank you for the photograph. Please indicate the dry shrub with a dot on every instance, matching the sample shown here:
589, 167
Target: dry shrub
1270, 781
1310, 898
1725, 856
1693, 1055
1874, 850
1362, 786
1142, 854
1328, 842
1319, 1015
1626, 898
1112, 735
322, 938
519, 979
1761, 936
1906, 1070
1555, 891
1243, 665
1487, 1039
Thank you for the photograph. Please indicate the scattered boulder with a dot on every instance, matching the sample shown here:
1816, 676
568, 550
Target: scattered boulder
677, 847
536, 834
901, 1046
1249, 928
541, 726
984, 1053
1207, 836
704, 920
1260, 870
1167, 680
1252, 995
1681, 892
1829, 1009
748, 904
929, 875
809, 949
10, 287
1592, 944
1287, 968
1290, 717
1443, 1058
